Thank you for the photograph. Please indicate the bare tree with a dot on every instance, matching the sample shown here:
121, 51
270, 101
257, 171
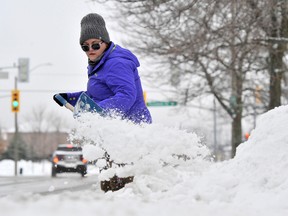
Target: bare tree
209, 47
272, 16
225, 48
44, 129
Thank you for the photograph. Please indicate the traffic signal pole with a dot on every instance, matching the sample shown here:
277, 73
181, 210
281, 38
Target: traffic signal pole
23, 76
16, 152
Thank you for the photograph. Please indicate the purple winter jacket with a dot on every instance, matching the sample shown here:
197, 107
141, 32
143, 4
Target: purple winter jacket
114, 84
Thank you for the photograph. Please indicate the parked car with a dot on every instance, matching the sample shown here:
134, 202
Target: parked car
68, 158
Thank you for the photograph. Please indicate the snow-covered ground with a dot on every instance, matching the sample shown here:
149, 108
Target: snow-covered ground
174, 174
29, 168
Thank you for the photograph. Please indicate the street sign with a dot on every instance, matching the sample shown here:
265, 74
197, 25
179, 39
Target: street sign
162, 103
4, 75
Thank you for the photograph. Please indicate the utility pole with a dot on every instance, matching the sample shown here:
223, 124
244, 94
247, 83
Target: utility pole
16, 136
23, 74
215, 128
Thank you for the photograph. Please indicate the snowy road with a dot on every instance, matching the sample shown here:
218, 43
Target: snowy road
45, 185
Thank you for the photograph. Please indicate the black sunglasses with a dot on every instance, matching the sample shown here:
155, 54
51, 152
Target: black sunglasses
95, 46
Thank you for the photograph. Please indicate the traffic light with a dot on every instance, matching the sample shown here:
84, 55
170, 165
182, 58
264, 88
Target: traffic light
145, 96
15, 100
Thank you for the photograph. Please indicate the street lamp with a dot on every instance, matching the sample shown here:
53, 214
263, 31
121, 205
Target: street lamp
40, 65
23, 76
24, 70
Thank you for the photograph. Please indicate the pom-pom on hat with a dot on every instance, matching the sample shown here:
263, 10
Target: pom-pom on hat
93, 26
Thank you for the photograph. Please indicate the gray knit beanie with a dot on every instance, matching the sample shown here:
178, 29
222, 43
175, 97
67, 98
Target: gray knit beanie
93, 26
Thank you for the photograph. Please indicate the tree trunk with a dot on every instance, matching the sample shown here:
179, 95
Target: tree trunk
279, 23
276, 73
236, 104
236, 133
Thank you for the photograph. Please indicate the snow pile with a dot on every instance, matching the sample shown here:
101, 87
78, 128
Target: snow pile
253, 183
258, 173
159, 154
263, 159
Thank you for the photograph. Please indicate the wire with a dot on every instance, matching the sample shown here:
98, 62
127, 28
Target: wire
38, 90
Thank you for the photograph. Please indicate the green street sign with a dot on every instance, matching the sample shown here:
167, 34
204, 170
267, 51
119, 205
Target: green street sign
162, 103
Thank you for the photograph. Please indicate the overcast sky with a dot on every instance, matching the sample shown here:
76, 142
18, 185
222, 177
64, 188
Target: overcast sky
45, 32
48, 31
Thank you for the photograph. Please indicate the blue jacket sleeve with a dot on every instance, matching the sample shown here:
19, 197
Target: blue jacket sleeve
121, 81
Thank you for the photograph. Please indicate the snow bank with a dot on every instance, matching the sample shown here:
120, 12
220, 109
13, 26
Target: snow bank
265, 155
253, 183
29, 168
159, 154
257, 175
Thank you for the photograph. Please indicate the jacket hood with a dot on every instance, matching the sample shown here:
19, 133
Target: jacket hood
122, 53
114, 52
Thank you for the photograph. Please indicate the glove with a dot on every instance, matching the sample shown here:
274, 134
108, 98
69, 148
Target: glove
64, 95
